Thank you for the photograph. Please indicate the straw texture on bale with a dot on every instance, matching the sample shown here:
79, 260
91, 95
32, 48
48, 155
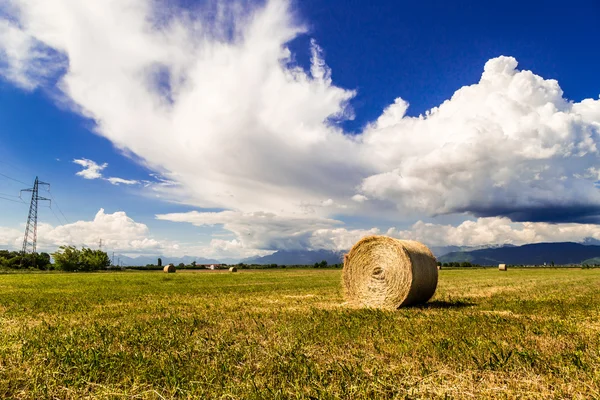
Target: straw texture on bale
502, 267
388, 273
232, 269
169, 269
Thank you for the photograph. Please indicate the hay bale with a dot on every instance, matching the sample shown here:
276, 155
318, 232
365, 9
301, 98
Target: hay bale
169, 269
384, 272
232, 269
502, 267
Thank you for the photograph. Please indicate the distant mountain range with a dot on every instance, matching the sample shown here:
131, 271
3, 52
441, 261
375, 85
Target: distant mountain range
308, 257
439, 251
591, 242
298, 257
529, 254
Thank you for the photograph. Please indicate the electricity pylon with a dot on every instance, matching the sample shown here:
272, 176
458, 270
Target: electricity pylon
30, 239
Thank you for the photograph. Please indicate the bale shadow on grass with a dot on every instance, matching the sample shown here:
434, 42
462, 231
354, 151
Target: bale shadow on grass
442, 304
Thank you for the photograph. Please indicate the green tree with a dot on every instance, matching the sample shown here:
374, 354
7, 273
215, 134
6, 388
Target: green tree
43, 261
94, 260
159, 262
67, 258
15, 261
12, 259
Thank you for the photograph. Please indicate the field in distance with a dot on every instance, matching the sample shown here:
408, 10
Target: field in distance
282, 334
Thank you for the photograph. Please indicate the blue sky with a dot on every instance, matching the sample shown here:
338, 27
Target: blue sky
424, 51
252, 147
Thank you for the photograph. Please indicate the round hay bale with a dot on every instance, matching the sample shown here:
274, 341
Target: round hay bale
502, 267
388, 273
232, 269
169, 269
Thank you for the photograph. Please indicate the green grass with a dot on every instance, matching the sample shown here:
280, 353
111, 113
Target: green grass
284, 334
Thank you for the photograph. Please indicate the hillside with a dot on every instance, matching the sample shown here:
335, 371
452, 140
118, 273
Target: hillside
529, 254
298, 257
440, 251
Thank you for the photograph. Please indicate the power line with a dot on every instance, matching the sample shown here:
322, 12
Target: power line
58, 219
56, 204
12, 166
13, 179
9, 164
14, 201
9, 195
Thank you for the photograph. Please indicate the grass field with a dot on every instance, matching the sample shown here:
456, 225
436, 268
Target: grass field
284, 334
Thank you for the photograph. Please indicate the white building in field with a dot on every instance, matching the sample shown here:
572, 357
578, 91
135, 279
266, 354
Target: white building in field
210, 266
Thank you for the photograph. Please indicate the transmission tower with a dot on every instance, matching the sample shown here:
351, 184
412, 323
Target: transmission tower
30, 239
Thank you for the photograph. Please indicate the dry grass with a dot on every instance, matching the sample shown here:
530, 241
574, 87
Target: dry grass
284, 334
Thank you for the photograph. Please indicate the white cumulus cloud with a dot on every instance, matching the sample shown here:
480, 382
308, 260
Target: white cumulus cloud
24, 60
118, 181
91, 170
227, 117
11, 238
509, 145
259, 230
496, 230
118, 232
359, 198
212, 100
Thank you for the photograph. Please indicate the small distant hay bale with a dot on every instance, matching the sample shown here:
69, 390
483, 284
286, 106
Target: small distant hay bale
388, 273
169, 269
502, 267
232, 269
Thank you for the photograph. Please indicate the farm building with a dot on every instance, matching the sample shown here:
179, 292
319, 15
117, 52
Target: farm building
211, 266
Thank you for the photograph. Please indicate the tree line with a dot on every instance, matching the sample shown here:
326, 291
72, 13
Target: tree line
193, 265
67, 258
12, 260
464, 264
